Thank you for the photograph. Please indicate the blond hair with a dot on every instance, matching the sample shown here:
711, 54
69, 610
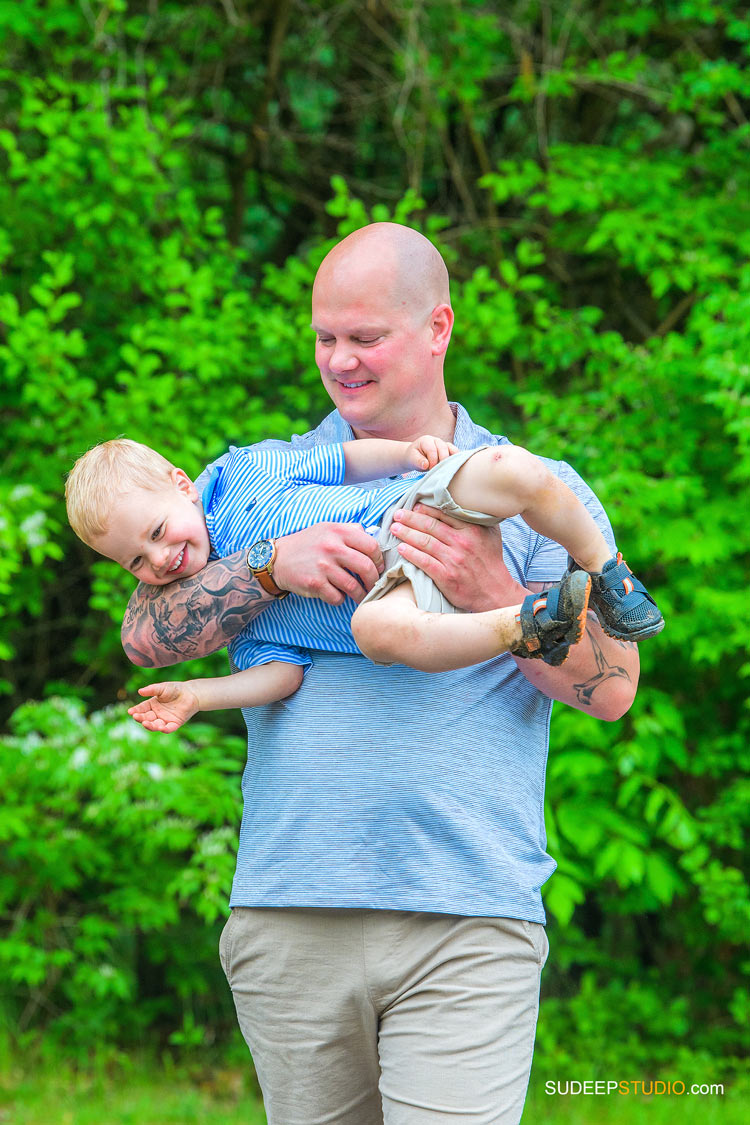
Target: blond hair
99, 478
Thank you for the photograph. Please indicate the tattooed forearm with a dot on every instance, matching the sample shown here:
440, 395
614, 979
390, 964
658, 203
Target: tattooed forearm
605, 671
168, 624
599, 677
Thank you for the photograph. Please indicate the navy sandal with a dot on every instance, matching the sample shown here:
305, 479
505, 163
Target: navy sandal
623, 605
554, 620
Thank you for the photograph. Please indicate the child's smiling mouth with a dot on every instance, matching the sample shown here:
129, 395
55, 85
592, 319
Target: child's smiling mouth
178, 561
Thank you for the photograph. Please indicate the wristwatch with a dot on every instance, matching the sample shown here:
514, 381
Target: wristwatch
260, 560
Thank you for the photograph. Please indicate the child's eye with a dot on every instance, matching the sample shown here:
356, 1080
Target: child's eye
157, 531
136, 562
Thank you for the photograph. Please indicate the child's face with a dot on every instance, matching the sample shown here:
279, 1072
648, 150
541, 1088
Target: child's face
159, 536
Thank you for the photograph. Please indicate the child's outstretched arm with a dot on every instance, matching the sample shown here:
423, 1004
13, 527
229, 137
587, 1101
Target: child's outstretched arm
172, 703
372, 458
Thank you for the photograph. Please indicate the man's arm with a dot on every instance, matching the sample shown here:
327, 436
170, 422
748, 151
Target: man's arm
167, 624
199, 615
464, 560
600, 675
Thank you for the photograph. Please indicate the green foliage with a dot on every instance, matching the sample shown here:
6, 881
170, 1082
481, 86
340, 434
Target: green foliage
118, 852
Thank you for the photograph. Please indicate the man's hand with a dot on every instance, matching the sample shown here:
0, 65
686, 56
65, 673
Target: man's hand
329, 561
428, 451
465, 561
169, 706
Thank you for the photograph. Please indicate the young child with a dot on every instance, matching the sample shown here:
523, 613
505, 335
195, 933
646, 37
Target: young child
131, 505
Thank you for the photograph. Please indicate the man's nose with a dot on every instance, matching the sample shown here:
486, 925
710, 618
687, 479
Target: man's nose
343, 358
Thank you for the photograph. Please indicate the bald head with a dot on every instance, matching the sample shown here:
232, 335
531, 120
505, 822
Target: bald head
382, 319
392, 258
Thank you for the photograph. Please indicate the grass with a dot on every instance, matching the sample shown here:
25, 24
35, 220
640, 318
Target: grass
129, 1089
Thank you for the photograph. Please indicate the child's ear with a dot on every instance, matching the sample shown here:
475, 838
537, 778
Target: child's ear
182, 481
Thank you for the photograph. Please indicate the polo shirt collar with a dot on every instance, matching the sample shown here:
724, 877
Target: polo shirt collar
333, 428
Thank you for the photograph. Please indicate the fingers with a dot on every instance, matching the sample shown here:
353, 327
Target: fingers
144, 714
437, 515
166, 692
425, 561
357, 574
422, 526
465, 561
351, 578
153, 689
431, 450
328, 561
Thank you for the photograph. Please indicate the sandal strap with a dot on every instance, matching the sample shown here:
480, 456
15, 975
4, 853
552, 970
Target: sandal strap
622, 575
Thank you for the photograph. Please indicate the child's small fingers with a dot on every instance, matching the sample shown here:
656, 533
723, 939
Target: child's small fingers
151, 689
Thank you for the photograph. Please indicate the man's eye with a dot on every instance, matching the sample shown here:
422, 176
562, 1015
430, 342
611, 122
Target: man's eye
157, 531
326, 341
368, 342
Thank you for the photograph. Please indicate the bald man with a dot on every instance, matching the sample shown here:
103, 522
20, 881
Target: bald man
386, 937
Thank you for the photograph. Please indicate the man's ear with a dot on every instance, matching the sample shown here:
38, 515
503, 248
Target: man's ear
441, 321
182, 481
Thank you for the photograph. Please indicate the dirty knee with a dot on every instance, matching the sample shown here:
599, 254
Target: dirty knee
367, 628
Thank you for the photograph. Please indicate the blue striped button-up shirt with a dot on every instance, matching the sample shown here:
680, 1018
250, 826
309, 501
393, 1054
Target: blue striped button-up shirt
263, 493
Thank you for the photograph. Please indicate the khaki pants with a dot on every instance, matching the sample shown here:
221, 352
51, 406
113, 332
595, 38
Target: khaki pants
375, 1017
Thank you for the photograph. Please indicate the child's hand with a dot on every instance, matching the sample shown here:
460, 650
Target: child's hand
171, 704
428, 451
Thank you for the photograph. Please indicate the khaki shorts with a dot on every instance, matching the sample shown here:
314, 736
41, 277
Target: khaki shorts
378, 1017
433, 490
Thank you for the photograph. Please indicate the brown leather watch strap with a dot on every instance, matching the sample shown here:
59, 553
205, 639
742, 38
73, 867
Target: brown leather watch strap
268, 584
264, 573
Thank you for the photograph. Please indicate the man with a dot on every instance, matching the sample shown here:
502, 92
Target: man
386, 939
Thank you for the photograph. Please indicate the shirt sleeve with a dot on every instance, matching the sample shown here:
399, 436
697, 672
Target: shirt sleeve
246, 652
547, 560
323, 464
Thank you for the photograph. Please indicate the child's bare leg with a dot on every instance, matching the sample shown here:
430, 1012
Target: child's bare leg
507, 481
392, 630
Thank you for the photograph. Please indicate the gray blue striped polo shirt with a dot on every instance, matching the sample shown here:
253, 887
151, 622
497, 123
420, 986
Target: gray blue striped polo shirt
390, 789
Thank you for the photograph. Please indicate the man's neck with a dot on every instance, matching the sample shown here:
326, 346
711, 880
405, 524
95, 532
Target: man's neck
440, 424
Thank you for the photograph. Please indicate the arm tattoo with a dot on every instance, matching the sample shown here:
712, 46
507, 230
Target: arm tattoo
165, 625
605, 671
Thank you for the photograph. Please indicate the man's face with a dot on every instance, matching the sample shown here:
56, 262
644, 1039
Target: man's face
374, 355
159, 536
